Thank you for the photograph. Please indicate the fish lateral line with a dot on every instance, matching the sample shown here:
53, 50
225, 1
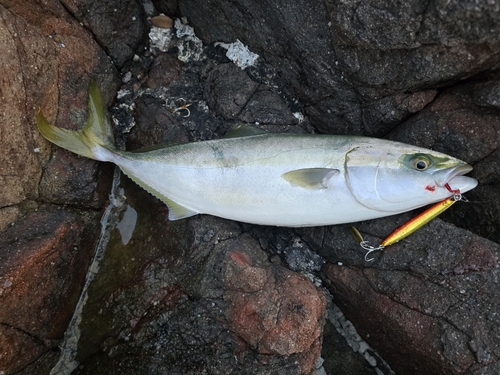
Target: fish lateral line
410, 226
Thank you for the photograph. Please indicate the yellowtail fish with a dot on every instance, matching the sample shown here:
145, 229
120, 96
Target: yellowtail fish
293, 180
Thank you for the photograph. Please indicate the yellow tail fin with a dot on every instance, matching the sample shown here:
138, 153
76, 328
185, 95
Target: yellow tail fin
95, 136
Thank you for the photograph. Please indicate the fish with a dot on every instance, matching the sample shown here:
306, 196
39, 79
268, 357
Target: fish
276, 179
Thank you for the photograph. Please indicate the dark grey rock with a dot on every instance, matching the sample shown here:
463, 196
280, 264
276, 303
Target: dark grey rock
267, 108
228, 90
440, 290
165, 69
487, 94
340, 57
118, 29
300, 257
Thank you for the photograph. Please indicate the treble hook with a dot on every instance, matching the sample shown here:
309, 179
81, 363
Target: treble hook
364, 244
370, 249
183, 107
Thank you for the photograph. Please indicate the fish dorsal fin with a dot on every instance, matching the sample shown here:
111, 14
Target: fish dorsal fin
310, 178
244, 130
175, 210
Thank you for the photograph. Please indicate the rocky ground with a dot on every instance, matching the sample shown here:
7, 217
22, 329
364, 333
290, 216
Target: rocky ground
95, 279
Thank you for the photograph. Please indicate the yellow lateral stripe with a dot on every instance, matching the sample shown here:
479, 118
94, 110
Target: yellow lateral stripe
419, 221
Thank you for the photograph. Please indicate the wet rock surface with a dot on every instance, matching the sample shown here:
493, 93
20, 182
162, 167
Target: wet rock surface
225, 311
41, 273
206, 295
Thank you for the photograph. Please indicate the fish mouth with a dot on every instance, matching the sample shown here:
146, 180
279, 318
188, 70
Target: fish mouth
454, 178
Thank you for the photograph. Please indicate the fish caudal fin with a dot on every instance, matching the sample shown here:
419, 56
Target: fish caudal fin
95, 138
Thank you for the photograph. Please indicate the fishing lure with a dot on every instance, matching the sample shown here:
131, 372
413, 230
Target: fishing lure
409, 227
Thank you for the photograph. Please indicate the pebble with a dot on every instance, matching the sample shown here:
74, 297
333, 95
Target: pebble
162, 21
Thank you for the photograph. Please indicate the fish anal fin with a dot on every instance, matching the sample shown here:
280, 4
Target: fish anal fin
244, 130
175, 210
310, 178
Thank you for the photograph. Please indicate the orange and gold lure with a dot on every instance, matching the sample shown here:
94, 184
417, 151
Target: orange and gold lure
409, 227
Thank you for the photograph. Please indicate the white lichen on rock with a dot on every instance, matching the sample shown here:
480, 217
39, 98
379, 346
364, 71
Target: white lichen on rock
182, 36
239, 54
160, 39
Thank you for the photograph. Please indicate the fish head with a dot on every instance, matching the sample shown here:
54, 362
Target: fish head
395, 177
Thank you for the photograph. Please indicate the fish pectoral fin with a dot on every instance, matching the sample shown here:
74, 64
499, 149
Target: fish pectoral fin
310, 178
244, 130
175, 210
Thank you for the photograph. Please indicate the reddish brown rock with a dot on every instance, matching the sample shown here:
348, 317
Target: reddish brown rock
41, 273
273, 309
17, 349
47, 59
166, 68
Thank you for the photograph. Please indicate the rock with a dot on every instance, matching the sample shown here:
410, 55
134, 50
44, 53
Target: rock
155, 125
267, 108
223, 96
8, 215
166, 6
48, 59
20, 169
487, 94
41, 273
165, 22
24, 354
165, 69
274, 310
438, 318
161, 306
210, 295
24, 29
386, 113
71, 179
231, 93
119, 28
341, 58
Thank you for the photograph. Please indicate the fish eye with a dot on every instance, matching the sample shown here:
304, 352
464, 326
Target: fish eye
421, 163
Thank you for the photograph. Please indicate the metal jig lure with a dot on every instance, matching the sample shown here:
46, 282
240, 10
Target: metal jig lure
409, 227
